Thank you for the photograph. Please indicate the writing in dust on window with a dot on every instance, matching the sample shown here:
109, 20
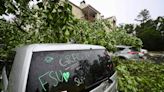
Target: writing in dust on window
73, 68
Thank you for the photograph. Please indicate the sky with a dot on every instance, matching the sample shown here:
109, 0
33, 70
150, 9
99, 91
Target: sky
126, 10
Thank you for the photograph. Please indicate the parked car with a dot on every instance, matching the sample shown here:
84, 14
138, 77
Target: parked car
128, 52
61, 68
144, 51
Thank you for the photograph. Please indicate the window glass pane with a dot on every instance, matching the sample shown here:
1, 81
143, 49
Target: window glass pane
120, 49
71, 71
134, 49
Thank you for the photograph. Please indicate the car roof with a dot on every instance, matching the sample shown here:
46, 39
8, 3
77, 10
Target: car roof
123, 46
59, 46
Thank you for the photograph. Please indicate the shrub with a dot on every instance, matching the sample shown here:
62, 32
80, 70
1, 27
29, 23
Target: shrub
139, 76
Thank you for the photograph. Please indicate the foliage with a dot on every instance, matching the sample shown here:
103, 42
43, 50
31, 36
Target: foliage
122, 37
139, 76
96, 33
42, 24
9, 6
129, 28
2, 7
152, 33
52, 22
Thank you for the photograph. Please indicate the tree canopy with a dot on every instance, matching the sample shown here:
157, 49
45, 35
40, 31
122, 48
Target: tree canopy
150, 31
53, 22
143, 16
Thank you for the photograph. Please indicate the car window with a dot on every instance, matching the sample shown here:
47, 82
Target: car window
134, 49
120, 49
71, 71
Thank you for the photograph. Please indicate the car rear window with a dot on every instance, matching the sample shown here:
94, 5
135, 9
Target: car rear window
70, 71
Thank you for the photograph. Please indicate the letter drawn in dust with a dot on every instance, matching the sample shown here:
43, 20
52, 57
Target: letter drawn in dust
79, 81
48, 59
51, 77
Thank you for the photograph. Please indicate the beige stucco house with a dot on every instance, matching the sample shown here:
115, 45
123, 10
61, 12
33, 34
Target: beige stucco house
85, 11
112, 20
77, 11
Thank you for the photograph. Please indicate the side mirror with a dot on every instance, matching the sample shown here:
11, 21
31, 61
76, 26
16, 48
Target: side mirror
4, 76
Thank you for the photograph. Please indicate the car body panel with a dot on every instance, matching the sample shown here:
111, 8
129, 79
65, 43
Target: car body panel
107, 86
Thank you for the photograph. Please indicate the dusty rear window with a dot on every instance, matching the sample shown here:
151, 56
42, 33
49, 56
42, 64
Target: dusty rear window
71, 71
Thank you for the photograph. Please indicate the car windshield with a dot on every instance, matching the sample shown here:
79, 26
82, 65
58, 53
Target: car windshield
70, 71
120, 49
134, 49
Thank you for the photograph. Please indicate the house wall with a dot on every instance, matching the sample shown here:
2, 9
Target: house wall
77, 12
112, 20
98, 16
